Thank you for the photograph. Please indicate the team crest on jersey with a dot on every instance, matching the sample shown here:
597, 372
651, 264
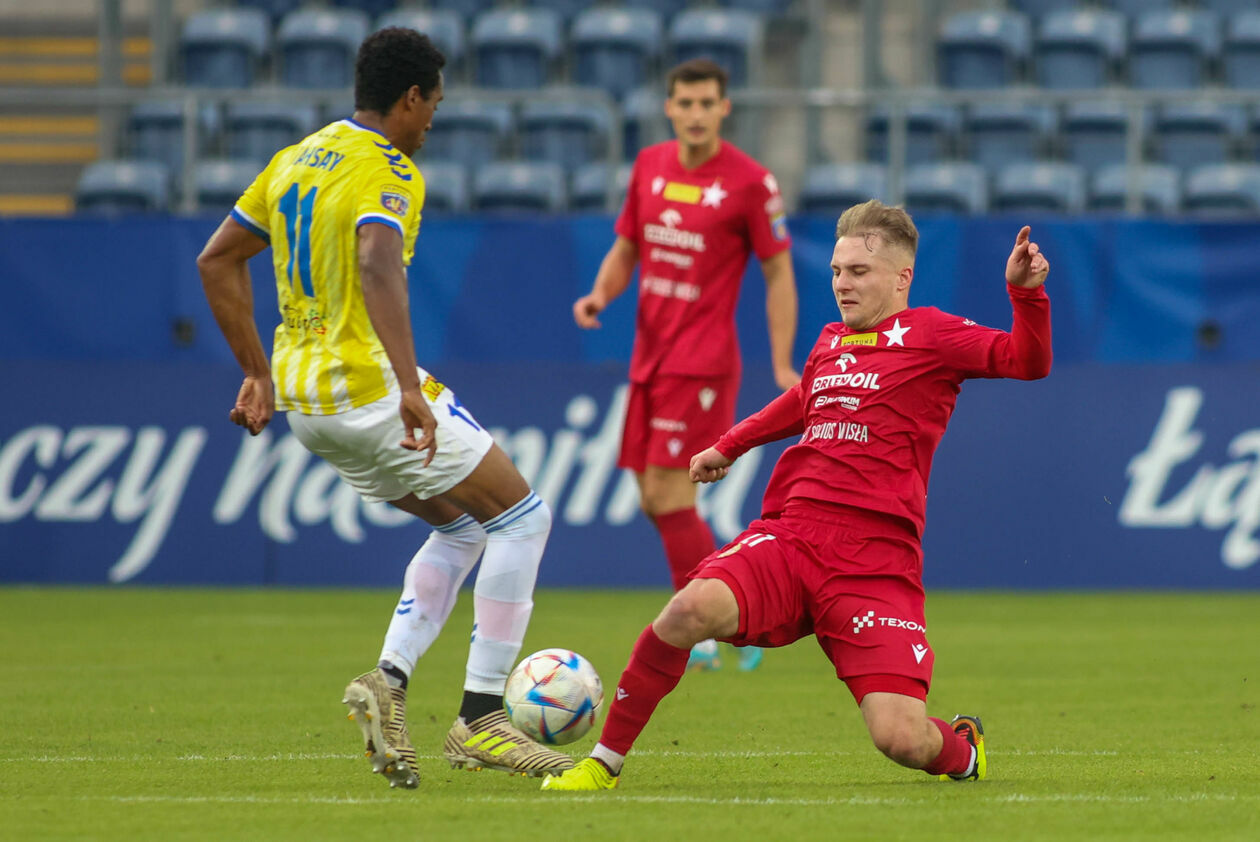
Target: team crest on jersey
395, 201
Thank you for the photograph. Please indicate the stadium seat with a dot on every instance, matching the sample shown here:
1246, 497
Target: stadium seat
371, 8
1040, 8
317, 47
1223, 190
1240, 54
999, 133
257, 130
445, 186
116, 187
731, 37
1079, 49
1189, 133
946, 187
1094, 133
469, 130
1134, 7
443, 26
1045, 186
931, 132
156, 132
223, 48
467, 9
831, 189
615, 49
519, 186
982, 49
1159, 186
765, 8
643, 120
568, 131
515, 48
590, 188
1173, 48
218, 183
274, 9
1229, 7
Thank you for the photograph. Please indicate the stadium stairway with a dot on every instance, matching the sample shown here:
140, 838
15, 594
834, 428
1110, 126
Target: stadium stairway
44, 145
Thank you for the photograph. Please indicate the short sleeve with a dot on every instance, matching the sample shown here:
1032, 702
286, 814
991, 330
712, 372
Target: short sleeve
392, 201
251, 209
767, 218
627, 221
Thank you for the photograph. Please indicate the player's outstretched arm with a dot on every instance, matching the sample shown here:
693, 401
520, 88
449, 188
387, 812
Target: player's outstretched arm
709, 465
224, 268
1027, 267
384, 279
614, 276
781, 307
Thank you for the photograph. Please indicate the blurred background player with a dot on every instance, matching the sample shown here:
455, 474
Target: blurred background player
341, 210
837, 552
696, 207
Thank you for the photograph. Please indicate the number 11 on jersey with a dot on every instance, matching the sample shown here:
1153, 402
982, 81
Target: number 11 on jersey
297, 212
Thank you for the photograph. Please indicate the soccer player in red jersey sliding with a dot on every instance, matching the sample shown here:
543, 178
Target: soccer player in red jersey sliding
696, 208
837, 552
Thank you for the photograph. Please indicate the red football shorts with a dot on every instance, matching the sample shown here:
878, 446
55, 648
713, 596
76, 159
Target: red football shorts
850, 577
671, 419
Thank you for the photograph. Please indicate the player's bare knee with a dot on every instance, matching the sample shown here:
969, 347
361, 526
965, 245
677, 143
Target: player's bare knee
686, 620
902, 742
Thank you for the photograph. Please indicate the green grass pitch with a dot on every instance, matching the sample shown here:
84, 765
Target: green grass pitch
159, 714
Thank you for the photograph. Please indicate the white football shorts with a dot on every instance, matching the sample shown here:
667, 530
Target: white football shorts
362, 445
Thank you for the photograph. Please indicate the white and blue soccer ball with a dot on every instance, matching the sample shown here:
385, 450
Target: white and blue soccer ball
554, 696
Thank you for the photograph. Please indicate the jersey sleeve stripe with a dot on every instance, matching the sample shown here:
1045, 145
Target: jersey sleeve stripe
249, 222
376, 217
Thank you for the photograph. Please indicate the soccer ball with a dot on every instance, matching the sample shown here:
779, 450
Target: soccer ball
554, 696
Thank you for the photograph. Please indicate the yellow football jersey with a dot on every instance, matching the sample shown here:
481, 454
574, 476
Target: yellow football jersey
308, 204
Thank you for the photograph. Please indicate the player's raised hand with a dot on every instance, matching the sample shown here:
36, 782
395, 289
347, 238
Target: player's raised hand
255, 404
709, 466
586, 309
416, 415
1027, 266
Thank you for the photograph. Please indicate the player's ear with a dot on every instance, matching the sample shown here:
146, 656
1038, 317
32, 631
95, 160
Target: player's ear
904, 278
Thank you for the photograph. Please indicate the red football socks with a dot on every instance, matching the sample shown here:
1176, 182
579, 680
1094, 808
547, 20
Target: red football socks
687, 540
654, 670
955, 754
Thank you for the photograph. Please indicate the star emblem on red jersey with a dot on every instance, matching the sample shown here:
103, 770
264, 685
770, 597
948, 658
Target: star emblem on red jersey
895, 333
713, 195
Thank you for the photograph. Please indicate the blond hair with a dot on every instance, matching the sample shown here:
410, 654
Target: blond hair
892, 224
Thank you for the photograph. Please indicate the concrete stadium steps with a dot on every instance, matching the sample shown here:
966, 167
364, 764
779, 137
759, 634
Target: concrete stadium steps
41, 156
37, 59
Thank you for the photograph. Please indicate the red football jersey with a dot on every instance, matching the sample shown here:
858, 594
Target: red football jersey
695, 230
872, 406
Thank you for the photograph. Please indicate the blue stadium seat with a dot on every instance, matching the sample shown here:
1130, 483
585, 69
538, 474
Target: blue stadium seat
567, 131
566, 9
946, 187
218, 183
257, 130
831, 189
616, 49
116, 187
1042, 187
469, 130
643, 120
317, 47
445, 186
1173, 48
1159, 185
1229, 7
443, 26
984, 49
1094, 133
1001, 133
731, 37
1040, 8
931, 132
223, 48
274, 9
1240, 54
519, 186
589, 192
1223, 190
156, 132
1136, 7
371, 8
1079, 49
1189, 133
515, 48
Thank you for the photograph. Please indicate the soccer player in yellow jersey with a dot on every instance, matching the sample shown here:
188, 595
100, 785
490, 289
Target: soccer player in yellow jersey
341, 211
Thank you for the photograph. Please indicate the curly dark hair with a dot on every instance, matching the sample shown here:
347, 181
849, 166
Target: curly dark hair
390, 61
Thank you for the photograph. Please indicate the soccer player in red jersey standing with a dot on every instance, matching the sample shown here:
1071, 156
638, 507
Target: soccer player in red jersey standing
837, 552
696, 208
